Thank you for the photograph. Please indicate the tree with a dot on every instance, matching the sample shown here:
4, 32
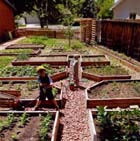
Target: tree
88, 9
44, 9
103, 8
70, 9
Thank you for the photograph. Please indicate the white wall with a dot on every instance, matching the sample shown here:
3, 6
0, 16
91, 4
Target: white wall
32, 19
123, 10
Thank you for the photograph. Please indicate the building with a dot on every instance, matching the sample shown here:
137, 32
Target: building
126, 9
6, 17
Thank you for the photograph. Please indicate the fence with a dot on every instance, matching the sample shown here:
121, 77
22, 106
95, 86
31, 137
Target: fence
60, 34
122, 36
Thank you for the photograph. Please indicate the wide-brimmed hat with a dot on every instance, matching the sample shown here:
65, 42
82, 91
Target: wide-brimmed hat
39, 68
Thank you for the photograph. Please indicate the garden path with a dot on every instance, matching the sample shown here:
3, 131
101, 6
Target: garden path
74, 117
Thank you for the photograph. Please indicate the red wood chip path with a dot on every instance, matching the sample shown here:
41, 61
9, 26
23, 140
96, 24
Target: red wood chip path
74, 118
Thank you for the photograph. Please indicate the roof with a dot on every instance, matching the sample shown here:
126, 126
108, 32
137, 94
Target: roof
10, 4
116, 4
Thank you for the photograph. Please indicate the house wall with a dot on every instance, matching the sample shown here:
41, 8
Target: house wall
123, 10
6, 18
32, 19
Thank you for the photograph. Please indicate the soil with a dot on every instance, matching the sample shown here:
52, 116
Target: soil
47, 59
28, 132
93, 59
25, 92
116, 90
107, 70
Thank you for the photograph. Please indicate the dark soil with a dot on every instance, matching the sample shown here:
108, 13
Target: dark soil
47, 59
28, 132
116, 90
26, 92
95, 59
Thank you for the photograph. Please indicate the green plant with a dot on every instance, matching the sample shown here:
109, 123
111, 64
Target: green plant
107, 70
23, 56
20, 51
14, 137
123, 125
54, 91
7, 122
24, 71
5, 60
55, 43
32, 85
23, 119
45, 122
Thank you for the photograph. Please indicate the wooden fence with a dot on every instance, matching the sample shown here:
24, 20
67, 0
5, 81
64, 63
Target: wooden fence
122, 36
60, 34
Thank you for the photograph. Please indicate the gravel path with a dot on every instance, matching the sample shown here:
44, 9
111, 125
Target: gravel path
74, 118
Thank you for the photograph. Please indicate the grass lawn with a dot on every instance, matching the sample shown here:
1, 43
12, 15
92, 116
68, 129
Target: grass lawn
5, 60
54, 43
18, 51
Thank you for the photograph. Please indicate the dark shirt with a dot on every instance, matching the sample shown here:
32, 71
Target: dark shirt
45, 79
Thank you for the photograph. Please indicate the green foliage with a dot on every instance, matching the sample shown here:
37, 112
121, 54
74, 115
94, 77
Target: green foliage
14, 137
45, 122
70, 10
88, 9
23, 119
7, 122
5, 60
18, 71
32, 85
23, 56
24, 71
55, 43
20, 51
54, 91
103, 8
121, 125
35, 40
107, 70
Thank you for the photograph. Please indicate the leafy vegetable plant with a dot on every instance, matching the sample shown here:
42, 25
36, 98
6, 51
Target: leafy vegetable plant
120, 125
45, 122
23, 119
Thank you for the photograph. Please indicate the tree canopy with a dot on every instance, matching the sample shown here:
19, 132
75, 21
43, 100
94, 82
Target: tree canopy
103, 8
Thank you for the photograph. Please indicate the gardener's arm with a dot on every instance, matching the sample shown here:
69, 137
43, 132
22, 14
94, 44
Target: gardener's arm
46, 85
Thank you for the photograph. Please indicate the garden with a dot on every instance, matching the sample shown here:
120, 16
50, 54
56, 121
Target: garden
28, 89
19, 126
117, 93
115, 124
111, 86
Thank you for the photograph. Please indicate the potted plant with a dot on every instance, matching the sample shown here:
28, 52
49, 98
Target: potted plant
72, 86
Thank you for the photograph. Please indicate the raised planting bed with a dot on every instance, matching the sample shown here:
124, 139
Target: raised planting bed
26, 46
127, 61
36, 126
29, 91
28, 71
99, 73
113, 125
95, 60
5, 60
34, 61
117, 93
16, 52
